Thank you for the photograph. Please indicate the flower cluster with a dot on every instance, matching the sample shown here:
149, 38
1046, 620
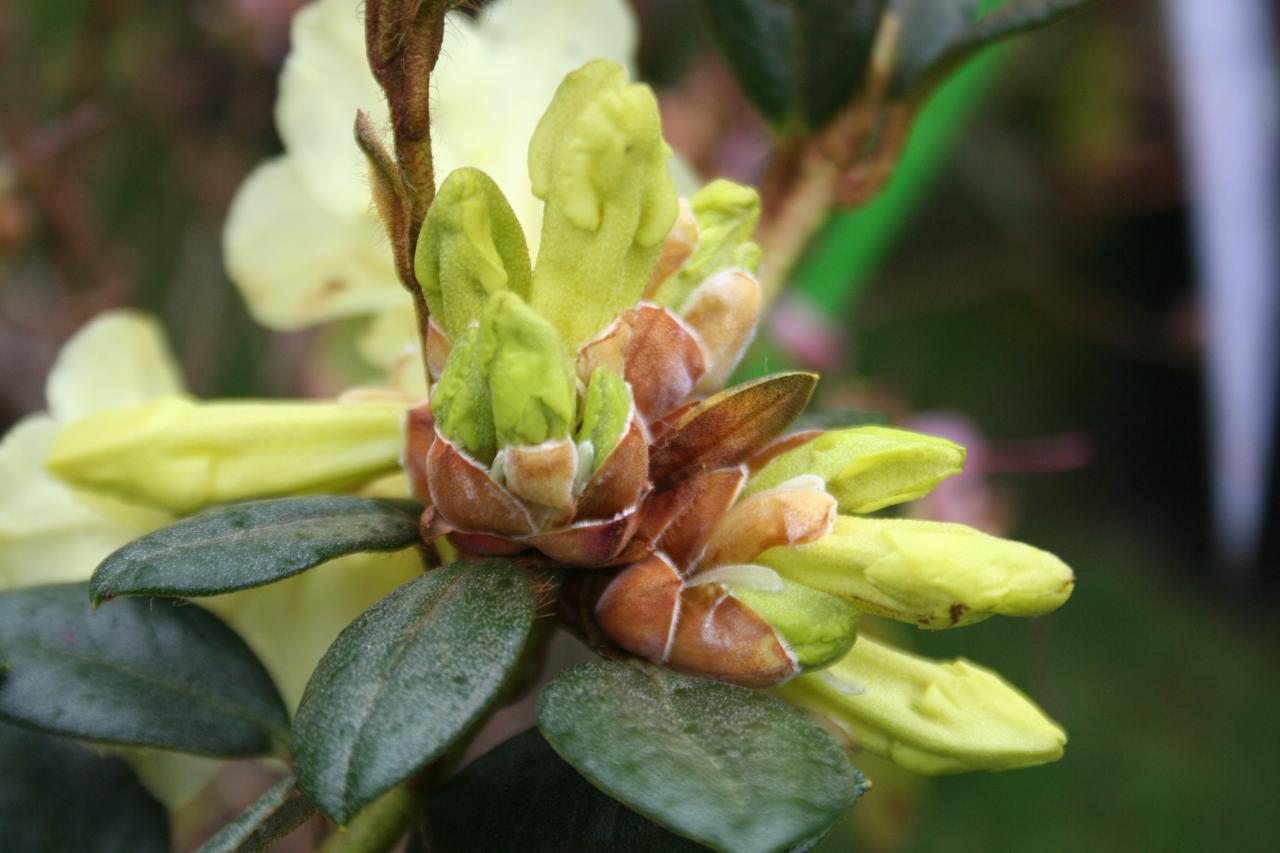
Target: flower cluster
577, 409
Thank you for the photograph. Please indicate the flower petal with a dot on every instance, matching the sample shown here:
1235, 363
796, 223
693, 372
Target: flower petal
295, 262
119, 358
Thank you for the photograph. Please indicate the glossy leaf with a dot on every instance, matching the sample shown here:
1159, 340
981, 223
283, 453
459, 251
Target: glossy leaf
169, 675
279, 811
754, 37
406, 679
730, 767
832, 48
797, 61
930, 63
57, 795
522, 796
251, 544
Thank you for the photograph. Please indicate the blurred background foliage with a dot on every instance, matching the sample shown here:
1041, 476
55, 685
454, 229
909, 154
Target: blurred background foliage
1027, 288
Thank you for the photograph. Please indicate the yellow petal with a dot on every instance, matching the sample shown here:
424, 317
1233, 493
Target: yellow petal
927, 716
326, 78
49, 532
290, 624
120, 358
180, 456
295, 262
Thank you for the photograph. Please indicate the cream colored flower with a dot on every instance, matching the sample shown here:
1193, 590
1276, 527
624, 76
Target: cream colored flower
302, 241
51, 532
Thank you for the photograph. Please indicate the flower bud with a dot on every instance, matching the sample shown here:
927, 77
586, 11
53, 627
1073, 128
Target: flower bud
606, 413
726, 214
935, 574
460, 400
927, 716
867, 468
531, 379
471, 246
598, 160
818, 629
178, 455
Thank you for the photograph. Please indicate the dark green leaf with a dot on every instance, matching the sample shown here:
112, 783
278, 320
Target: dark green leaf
933, 65
164, 674
250, 544
755, 39
733, 768
832, 47
406, 679
928, 28
281, 810
523, 797
56, 796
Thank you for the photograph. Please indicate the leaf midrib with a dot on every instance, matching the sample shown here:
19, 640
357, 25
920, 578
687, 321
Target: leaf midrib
233, 709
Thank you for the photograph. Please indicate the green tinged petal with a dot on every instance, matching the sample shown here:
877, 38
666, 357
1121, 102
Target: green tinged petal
927, 716
727, 214
180, 456
598, 160
605, 414
460, 401
819, 629
867, 468
532, 383
931, 573
471, 247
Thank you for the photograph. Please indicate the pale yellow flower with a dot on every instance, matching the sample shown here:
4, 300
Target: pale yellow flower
302, 241
52, 532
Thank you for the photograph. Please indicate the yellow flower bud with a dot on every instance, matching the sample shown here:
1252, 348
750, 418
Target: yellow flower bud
460, 400
935, 574
532, 383
471, 247
599, 162
867, 468
927, 716
818, 629
178, 455
726, 214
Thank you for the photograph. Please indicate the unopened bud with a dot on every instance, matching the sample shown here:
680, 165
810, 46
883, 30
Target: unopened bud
934, 574
867, 468
726, 214
471, 246
460, 400
531, 379
598, 160
927, 716
818, 629
606, 412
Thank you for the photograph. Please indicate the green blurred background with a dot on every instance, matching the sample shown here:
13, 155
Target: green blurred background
1031, 291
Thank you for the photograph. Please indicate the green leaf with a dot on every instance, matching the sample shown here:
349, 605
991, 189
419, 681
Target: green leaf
244, 545
281, 810
729, 767
168, 675
755, 37
931, 60
833, 40
523, 796
406, 679
56, 795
